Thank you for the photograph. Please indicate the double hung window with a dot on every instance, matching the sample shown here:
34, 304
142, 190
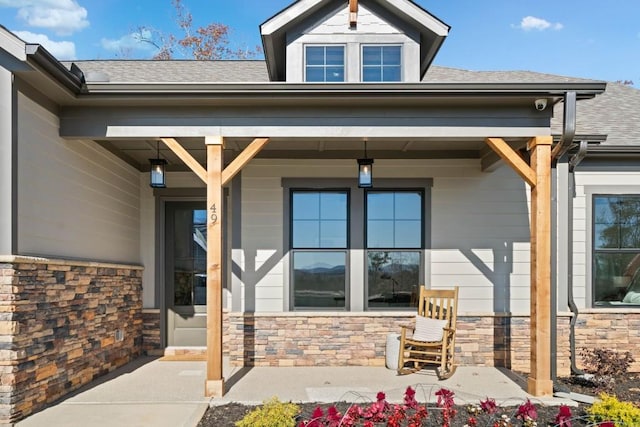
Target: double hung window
616, 249
319, 243
394, 242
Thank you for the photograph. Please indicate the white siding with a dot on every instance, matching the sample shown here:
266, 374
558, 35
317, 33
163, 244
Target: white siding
75, 199
479, 223
587, 184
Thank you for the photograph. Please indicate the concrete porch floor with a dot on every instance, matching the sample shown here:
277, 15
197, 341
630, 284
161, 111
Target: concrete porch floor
151, 392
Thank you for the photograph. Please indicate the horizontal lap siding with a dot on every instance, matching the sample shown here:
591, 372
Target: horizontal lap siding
75, 199
480, 229
480, 224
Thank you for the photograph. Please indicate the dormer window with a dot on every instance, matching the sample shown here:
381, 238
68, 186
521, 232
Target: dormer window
324, 63
381, 63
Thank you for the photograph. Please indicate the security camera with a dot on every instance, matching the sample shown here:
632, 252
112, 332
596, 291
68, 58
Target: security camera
541, 104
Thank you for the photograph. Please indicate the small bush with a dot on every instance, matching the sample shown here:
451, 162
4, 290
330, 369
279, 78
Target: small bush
606, 363
609, 408
273, 413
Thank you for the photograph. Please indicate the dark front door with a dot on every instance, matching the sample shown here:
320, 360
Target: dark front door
186, 273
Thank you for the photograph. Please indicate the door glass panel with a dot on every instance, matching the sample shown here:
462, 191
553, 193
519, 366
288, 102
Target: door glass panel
190, 257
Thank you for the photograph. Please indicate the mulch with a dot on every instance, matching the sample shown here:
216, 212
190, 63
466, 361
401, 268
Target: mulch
625, 388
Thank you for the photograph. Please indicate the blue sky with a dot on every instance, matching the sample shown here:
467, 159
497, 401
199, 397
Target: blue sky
581, 38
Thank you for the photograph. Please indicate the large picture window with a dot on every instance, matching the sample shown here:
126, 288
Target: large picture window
394, 242
324, 64
616, 250
319, 243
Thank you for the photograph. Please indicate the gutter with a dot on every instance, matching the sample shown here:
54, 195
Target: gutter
72, 81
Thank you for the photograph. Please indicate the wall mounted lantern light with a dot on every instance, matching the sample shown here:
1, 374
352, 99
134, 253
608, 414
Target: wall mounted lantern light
157, 171
365, 170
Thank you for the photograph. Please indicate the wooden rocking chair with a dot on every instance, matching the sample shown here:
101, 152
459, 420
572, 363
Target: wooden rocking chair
433, 338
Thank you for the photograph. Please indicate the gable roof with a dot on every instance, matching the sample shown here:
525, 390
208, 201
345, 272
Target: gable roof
274, 30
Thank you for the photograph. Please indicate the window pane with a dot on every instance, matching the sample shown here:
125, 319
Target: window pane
315, 74
371, 55
306, 205
372, 74
333, 234
607, 236
391, 55
408, 234
380, 205
319, 279
616, 278
393, 278
335, 55
391, 74
315, 55
333, 205
306, 234
335, 74
380, 234
408, 205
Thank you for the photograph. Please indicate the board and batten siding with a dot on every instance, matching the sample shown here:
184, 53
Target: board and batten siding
75, 199
588, 183
479, 228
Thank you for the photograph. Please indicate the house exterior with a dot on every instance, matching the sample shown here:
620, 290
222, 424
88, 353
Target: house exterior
522, 188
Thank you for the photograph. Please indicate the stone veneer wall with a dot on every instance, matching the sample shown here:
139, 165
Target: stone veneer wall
63, 324
151, 342
341, 339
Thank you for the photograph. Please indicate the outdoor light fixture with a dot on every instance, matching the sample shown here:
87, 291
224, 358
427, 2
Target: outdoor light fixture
365, 170
156, 173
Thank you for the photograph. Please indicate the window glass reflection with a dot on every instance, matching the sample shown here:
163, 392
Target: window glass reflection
393, 278
319, 279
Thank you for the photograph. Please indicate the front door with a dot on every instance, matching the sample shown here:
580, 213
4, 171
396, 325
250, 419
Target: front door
186, 273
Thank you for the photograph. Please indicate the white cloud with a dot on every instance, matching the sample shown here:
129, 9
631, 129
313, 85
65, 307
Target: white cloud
132, 41
529, 23
63, 50
63, 17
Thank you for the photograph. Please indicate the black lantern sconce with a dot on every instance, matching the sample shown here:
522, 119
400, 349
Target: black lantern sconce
365, 170
157, 171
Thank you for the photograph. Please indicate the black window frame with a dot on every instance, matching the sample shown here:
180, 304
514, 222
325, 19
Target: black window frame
293, 249
420, 250
595, 251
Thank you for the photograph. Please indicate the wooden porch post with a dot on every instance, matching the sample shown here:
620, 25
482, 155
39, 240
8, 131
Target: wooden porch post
540, 383
214, 386
538, 176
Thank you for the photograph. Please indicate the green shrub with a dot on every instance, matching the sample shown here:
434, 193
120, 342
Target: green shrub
272, 413
609, 408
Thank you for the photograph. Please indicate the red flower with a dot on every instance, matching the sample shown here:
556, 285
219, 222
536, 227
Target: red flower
563, 419
410, 398
445, 398
527, 411
488, 406
472, 422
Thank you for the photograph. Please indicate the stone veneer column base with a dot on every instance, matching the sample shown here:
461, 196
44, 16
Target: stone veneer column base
62, 324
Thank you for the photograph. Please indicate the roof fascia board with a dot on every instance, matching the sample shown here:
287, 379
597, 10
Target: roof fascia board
286, 15
426, 19
12, 44
584, 90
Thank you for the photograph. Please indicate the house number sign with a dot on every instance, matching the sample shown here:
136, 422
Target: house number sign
214, 213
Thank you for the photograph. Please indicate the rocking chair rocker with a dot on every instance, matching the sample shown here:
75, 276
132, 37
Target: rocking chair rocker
433, 338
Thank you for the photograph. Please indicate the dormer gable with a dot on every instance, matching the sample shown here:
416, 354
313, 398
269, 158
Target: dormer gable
351, 41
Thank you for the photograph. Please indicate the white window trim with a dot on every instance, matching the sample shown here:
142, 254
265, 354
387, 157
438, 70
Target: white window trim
402, 64
304, 60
